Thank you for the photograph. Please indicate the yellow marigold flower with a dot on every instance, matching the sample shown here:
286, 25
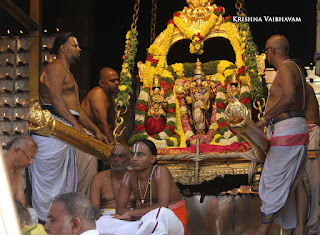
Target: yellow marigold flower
166, 74
218, 77
122, 87
129, 75
154, 49
183, 110
128, 35
178, 68
245, 80
174, 140
214, 126
125, 70
197, 47
223, 65
124, 65
179, 89
214, 140
229, 72
189, 134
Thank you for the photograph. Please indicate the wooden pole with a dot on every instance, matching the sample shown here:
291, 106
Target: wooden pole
35, 51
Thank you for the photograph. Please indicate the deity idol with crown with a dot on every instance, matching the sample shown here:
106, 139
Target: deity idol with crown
233, 89
156, 114
200, 97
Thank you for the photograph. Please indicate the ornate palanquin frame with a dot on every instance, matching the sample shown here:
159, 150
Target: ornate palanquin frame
195, 168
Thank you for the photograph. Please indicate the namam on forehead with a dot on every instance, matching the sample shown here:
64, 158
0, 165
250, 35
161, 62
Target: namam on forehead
139, 148
75, 40
279, 43
120, 149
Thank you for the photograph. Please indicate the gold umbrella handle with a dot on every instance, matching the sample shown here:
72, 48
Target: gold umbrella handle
119, 121
259, 105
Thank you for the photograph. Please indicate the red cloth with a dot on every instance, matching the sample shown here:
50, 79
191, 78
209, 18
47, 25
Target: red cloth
180, 210
207, 148
154, 126
290, 140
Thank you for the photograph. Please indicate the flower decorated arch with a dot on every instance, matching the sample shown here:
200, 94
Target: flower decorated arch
216, 25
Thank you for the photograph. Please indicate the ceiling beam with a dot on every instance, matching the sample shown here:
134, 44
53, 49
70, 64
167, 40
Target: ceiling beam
19, 14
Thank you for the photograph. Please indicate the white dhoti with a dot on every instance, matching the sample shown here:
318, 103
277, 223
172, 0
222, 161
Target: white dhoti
53, 171
283, 169
86, 169
158, 221
314, 167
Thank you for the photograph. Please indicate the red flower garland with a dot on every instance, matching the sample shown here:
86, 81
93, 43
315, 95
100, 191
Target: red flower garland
241, 70
246, 100
219, 9
139, 128
142, 107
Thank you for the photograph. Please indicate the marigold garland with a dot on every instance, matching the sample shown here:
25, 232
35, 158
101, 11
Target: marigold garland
125, 88
156, 58
258, 88
223, 134
196, 45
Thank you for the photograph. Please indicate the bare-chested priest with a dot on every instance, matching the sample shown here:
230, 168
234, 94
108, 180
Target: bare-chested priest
54, 170
99, 104
105, 185
284, 184
21, 154
159, 208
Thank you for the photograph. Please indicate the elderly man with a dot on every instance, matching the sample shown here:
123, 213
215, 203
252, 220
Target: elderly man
105, 185
54, 170
159, 207
283, 188
71, 214
21, 154
99, 104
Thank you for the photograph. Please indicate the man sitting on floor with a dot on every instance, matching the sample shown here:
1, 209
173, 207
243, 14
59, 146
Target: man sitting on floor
21, 154
158, 203
105, 185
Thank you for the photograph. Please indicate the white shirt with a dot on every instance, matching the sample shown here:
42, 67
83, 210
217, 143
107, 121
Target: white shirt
90, 232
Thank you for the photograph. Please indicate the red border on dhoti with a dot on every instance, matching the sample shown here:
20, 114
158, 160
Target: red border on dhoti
290, 140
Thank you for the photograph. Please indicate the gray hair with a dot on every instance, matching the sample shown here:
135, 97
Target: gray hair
78, 205
17, 140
